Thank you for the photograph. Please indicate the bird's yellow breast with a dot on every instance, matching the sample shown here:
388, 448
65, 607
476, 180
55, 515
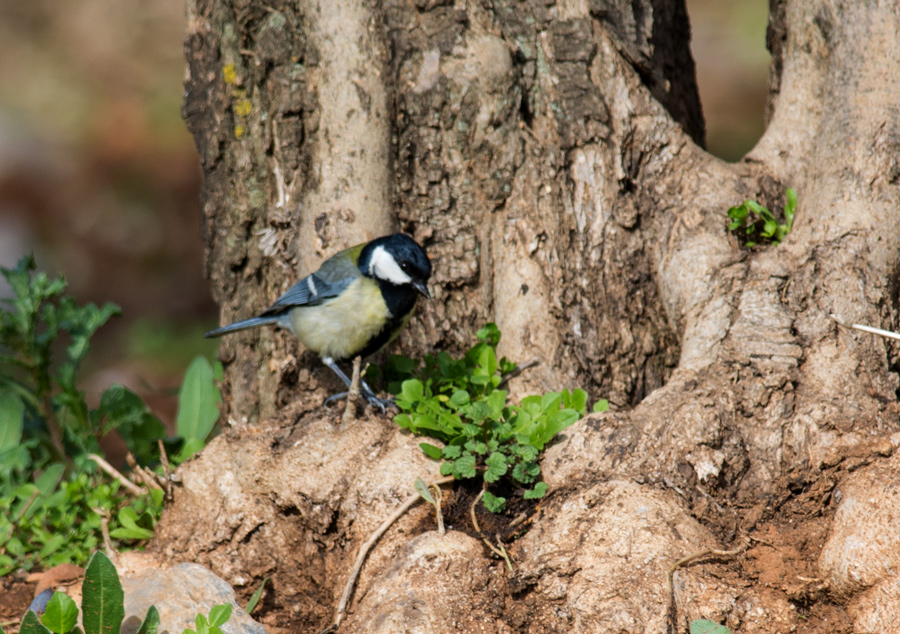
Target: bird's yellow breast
342, 327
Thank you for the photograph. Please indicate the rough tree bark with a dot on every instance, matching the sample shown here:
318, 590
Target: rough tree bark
549, 156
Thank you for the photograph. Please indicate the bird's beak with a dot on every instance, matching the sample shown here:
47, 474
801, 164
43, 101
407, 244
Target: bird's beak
423, 290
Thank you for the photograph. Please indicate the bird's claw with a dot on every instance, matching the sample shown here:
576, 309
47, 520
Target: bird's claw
380, 403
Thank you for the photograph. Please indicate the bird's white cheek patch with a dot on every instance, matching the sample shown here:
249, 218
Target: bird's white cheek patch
385, 267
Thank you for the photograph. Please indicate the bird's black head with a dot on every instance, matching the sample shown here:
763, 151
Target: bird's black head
398, 260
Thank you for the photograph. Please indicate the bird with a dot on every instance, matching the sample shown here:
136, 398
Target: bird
354, 305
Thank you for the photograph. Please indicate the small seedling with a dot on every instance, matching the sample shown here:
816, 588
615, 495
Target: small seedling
755, 224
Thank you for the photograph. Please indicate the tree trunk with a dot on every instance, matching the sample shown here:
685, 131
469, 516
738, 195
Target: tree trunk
550, 159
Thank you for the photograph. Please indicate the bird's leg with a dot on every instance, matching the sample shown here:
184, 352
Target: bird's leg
367, 391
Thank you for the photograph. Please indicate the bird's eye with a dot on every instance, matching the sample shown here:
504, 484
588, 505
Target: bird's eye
404, 266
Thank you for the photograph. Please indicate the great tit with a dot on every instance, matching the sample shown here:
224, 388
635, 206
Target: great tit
354, 305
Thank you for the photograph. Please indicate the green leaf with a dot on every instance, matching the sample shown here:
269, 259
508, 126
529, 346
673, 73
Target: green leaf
496, 467
451, 452
459, 398
254, 600
412, 390
422, 490
708, 627
219, 614
191, 447
61, 613
539, 491
526, 472
202, 624
576, 399
490, 334
601, 406
198, 403
31, 625
12, 417
130, 530
48, 481
102, 602
790, 207
433, 452
493, 503
464, 466
150, 624
123, 410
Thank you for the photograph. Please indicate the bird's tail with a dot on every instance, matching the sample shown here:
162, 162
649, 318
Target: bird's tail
253, 322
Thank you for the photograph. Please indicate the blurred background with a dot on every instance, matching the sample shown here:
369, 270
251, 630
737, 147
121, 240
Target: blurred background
99, 179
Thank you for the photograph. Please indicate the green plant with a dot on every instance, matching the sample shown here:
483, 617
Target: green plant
758, 224
52, 493
459, 402
702, 626
103, 608
218, 616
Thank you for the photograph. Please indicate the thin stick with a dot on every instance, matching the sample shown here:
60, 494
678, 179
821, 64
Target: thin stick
112, 471
438, 498
472, 512
104, 530
671, 611
350, 410
167, 470
148, 478
364, 551
875, 331
519, 370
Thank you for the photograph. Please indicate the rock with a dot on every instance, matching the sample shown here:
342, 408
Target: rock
862, 554
180, 593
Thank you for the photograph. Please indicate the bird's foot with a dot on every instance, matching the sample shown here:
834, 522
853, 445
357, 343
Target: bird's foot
380, 403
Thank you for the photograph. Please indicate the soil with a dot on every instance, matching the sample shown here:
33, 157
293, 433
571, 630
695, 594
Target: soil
780, 555
15, 597
778, 542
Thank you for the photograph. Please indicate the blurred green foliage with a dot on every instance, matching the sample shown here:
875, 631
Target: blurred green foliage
52, 495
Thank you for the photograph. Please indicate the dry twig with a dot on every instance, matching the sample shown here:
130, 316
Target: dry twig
875, 331
104, 530
350, 410
519, 370
167, 470
438, 498
145, 475
112, 471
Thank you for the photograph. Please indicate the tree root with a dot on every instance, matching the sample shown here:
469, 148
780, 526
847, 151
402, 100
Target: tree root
672, 609
366, 547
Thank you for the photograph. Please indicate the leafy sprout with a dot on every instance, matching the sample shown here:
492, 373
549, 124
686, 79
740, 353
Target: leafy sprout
756, 224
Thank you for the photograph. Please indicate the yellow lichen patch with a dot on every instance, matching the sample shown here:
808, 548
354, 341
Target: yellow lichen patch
230, 74
239, 131
242, 107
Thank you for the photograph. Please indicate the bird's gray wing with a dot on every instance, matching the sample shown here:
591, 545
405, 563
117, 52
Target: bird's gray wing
335, 274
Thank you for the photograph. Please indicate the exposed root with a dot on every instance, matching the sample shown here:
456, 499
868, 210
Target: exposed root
366, 547
499, 549
672, 610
